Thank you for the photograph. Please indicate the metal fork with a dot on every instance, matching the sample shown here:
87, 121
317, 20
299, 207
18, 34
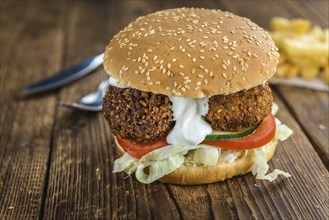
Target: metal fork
91, 102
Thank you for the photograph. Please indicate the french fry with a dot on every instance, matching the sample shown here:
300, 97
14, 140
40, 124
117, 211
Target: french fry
286, 70
300, 48
309, 72
295, 26
326, 74
304, 50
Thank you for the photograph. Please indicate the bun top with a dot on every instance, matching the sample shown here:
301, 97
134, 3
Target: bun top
191, 52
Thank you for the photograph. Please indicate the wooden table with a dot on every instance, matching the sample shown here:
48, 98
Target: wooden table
56, 163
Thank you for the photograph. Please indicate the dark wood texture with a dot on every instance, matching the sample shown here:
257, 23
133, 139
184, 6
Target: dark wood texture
57, 163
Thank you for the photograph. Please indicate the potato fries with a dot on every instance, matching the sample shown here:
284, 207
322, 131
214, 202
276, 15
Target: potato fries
304, 49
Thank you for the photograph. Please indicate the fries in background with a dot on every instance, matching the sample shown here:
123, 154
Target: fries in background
304, 50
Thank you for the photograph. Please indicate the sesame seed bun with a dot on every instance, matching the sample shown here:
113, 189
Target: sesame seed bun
191, 52
195, 175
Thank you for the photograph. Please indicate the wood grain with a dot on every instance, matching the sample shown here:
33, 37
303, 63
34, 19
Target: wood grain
30, 50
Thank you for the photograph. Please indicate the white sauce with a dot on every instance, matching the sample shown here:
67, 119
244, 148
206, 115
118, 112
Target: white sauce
190, 128
116, 83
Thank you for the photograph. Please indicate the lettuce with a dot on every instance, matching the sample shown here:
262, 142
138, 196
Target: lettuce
158, 169
275, 108
126, 163
206, 155
260, 167
158, 162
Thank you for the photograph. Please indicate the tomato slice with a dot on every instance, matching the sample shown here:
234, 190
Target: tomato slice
140, 149
261, 136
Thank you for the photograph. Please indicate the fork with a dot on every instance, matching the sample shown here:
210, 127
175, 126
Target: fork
91, 102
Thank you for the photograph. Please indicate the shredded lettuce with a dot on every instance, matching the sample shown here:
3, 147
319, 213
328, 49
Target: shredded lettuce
275, 108
260, 167
229, 156
158, 162
158, 169
283, 132
206, 155
126, 163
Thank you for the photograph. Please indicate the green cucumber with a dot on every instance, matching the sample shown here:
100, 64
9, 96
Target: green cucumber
221, 135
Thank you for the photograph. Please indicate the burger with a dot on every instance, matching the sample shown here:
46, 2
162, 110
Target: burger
188, 101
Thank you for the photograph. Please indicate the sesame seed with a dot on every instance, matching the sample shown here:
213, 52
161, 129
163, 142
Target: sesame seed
155, 57
157, 83
200, 76
193, 59
167, 88
173, 60
168, 65
198, 83
224, 75
181, 66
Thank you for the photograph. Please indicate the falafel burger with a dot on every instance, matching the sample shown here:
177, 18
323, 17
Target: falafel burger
188, 101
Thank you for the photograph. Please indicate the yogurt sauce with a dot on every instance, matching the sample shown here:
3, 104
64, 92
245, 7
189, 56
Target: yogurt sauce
190, 128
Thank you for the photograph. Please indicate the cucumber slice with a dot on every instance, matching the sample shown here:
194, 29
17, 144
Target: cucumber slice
221, 135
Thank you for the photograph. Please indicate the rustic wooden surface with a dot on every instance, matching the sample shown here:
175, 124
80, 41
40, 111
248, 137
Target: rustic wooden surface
56, 163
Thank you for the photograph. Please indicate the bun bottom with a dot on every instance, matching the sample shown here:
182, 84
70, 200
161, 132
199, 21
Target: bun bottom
188, 174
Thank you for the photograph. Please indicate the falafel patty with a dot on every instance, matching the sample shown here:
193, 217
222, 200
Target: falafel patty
136, 115
240, 110
146, 117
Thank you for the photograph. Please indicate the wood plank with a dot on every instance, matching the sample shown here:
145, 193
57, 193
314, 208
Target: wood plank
30, 50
